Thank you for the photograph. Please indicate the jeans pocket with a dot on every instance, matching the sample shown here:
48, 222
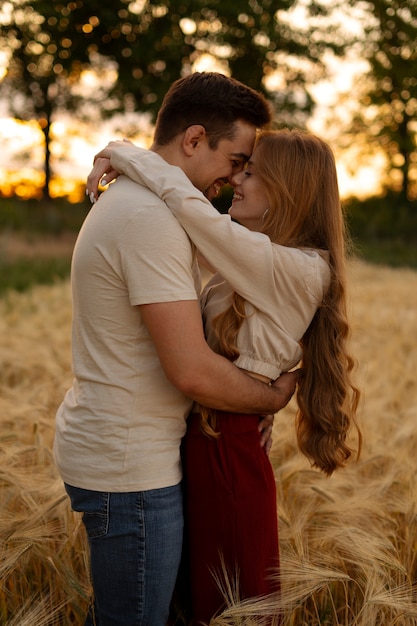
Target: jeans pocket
94, 505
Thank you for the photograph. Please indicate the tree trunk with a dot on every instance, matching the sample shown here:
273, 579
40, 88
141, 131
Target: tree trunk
46, 127
406, 148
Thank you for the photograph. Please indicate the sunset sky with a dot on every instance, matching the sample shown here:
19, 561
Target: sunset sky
75, 143
21, 157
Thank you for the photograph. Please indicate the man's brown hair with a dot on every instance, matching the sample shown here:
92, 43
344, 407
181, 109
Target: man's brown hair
212, 100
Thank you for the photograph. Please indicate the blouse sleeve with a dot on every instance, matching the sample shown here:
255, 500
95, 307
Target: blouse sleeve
256, 268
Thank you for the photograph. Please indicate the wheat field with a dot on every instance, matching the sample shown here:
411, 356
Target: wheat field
348, 543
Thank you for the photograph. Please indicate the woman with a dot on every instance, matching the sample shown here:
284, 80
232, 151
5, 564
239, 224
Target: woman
279, 298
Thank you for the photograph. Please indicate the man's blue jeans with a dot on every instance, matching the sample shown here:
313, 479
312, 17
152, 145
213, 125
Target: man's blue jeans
135, 542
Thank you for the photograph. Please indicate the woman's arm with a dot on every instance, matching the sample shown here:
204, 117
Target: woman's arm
248, 260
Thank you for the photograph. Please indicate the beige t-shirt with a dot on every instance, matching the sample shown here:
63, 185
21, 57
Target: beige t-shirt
120, 425
282, 286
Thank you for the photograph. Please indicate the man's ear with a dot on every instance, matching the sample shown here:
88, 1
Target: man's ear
192, 138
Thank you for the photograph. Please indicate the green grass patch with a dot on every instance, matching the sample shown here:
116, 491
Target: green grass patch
22, 274
31, 221
395, 253
384, 233
37, 216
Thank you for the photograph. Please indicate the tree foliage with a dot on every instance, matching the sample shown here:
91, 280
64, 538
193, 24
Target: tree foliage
47, 58
389, 112
139, 47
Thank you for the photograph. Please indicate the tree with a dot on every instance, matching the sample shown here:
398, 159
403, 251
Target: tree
253, 41
149, 45
389, 112
48, 54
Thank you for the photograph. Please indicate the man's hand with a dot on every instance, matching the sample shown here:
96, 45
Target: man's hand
102, 172
286, 385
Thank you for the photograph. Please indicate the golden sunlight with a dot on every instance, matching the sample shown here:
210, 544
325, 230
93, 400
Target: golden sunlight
73, 152
208, 63
73, 147
74, 143
3, 62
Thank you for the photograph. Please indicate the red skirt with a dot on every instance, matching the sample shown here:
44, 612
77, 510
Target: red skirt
231, 514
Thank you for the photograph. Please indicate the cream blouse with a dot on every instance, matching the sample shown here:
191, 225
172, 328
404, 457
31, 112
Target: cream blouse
282, 286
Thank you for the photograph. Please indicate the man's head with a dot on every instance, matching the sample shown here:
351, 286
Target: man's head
207, 125
211, 100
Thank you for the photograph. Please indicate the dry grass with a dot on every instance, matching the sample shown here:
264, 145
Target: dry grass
34, 245
41, 548
348, 543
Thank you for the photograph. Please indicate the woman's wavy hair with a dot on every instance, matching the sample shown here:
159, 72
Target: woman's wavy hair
299, 173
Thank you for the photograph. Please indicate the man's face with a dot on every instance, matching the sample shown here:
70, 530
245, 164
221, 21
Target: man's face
215, 167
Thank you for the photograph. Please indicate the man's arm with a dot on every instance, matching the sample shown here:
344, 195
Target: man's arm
177, 331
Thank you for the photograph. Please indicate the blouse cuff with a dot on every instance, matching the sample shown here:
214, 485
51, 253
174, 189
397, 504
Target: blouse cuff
263, 368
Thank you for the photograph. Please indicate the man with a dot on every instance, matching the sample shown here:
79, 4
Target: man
140, 357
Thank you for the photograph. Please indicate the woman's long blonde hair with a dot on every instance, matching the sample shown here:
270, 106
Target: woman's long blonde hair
299, 173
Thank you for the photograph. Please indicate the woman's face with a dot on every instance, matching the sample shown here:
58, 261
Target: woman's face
249, 199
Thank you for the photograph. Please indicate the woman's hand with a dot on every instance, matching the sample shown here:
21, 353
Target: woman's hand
286, 384
102, 173
265, 428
